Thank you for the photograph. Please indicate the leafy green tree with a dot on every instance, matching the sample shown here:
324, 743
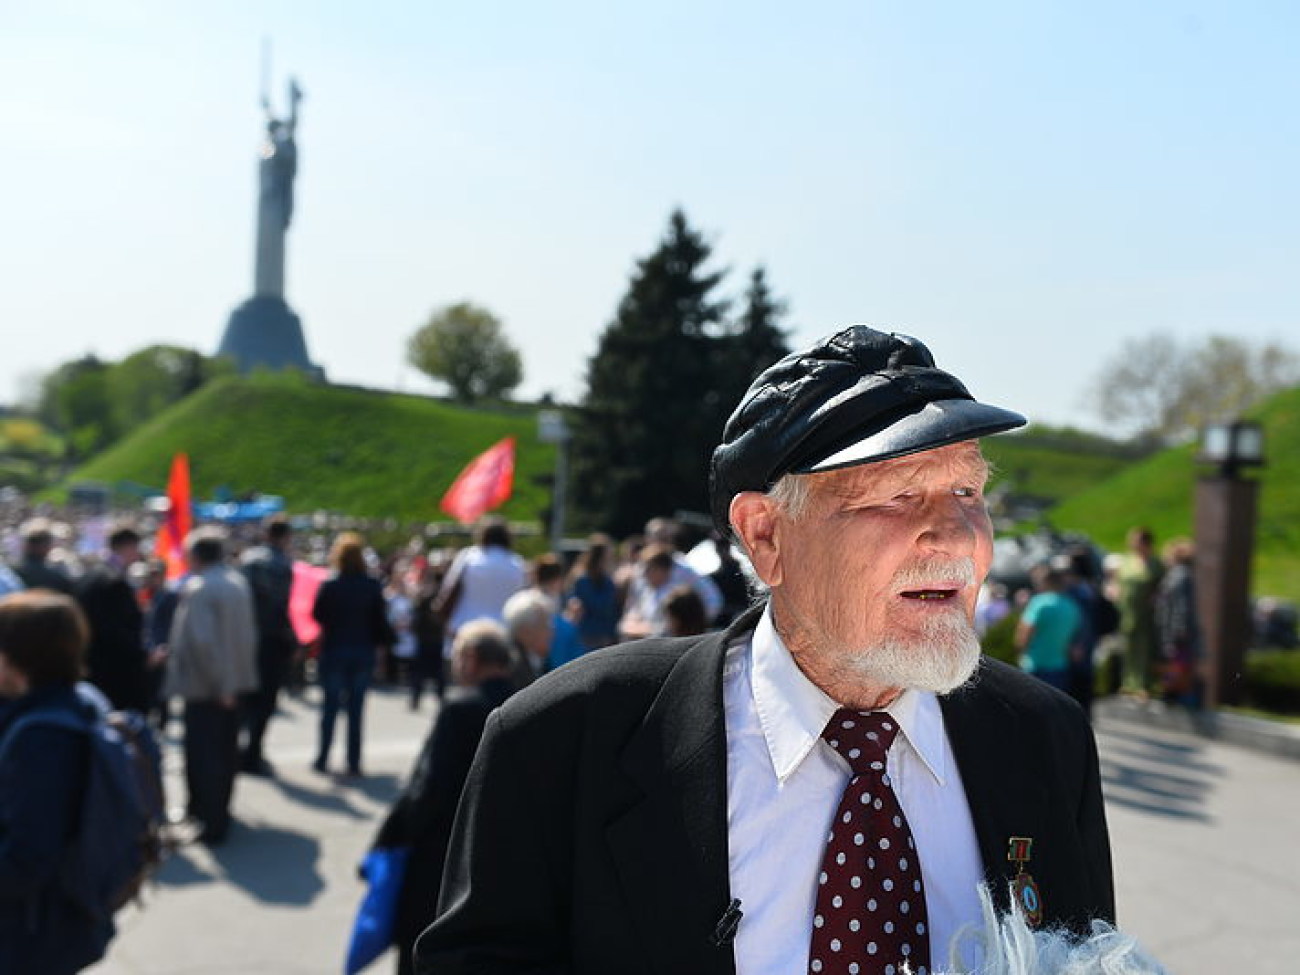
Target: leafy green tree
1162, 390
93, 403
75, 401
465, 347
652, 411
147, 382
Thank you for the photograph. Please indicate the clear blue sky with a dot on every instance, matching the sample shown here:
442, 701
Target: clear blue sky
1021, 185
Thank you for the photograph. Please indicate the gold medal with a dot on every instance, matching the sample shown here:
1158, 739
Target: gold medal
1023, 887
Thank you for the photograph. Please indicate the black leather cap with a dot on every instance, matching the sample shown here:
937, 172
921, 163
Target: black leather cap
855, 397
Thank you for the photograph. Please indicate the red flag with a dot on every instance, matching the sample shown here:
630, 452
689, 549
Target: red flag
171, 536
485, 483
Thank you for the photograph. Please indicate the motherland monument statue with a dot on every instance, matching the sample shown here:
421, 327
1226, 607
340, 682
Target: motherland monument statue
264, 331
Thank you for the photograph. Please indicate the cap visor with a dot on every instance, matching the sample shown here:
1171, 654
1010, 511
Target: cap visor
935, 424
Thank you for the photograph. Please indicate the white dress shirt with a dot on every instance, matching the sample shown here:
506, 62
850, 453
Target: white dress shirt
784, 784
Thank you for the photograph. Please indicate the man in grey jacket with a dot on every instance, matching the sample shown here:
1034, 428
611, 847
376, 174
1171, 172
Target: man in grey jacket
213, 645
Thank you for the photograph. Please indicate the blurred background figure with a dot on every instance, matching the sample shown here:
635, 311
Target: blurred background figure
429, 629
269, 570
211, 665
421, 818
401, 617
994, 604
116, 657
1048, 631
548, 579
1138, 576
683, 612
481, 579
1177, 627
667, 532
643, 611
1079, 571
353, 618
157, 598
530, 622
34, 567
592, 589
628, 568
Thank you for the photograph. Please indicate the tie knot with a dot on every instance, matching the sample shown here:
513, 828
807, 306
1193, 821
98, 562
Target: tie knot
862, 737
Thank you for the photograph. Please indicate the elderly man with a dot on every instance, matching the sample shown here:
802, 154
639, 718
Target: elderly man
530, 621
213, 660
824, 786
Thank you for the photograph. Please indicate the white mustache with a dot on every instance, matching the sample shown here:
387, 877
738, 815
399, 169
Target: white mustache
934, 573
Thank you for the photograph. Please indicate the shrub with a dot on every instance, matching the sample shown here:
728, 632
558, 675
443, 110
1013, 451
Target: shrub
999, 640
1273, 680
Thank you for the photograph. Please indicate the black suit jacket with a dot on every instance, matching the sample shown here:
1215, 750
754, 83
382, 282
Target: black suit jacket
115, 657
423, 814
592, 835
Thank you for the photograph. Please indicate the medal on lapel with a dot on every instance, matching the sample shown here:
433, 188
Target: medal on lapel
1023, 887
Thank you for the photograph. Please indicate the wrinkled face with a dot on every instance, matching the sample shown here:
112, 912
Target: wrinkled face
878, 577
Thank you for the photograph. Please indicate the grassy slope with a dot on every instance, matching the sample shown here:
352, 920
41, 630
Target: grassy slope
322, 447
1159, 492
1045, 470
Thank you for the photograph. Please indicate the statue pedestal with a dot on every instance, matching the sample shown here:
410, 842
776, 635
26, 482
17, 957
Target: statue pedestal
264, 331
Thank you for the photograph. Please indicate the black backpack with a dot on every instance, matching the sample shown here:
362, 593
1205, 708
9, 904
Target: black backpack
118, 841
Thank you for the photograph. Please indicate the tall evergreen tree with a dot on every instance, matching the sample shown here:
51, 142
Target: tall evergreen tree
754, 341
653, 412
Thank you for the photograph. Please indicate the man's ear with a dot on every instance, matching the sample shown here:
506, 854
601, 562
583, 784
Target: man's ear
753, 516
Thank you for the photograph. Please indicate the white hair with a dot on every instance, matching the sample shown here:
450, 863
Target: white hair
1010, 947
525, 609
792, 494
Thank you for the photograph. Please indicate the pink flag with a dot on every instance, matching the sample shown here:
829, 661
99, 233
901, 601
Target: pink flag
484, 484
302, 596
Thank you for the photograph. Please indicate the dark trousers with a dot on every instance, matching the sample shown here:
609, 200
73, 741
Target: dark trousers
259, 706
211, 758
426, 665
344, 677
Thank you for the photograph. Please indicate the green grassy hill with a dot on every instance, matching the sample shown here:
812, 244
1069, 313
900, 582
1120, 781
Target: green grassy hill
1050, 464
346, 450
1158, 492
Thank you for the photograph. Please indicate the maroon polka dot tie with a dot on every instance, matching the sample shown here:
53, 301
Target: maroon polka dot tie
870, 916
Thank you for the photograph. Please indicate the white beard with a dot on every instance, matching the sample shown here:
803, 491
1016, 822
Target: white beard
942, 659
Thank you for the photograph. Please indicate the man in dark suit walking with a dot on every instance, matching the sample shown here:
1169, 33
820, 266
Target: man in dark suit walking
823, 787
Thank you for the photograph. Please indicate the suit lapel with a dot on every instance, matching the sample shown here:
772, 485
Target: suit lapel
670, 848
993, 753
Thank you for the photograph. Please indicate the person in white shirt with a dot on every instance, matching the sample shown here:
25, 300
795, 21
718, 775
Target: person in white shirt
828, 785
480, 580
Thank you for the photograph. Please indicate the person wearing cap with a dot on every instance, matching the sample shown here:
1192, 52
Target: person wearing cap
823, 787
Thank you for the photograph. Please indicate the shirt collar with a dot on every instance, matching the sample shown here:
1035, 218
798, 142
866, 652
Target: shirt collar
792, 710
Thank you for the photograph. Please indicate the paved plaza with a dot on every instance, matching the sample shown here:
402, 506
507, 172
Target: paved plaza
1207, 861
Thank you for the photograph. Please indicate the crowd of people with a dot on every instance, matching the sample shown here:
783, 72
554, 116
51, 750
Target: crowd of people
765, 777
1123, 623
213, 647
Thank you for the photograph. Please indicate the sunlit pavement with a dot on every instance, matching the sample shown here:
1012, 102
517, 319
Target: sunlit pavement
1206, 849
280, 894
1206, 852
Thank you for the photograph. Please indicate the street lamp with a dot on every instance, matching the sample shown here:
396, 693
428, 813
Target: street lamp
1225, 535
1232, 446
